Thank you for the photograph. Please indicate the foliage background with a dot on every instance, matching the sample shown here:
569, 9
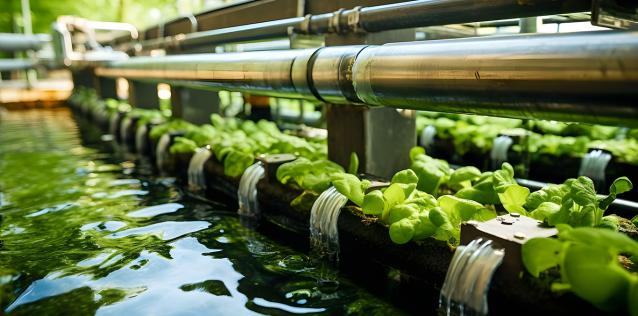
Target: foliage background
140, 13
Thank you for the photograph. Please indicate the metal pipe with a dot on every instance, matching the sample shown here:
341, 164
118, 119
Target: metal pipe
582, 77
441, 12
374, 19
252, 72
10, 42
16, 64
243, 33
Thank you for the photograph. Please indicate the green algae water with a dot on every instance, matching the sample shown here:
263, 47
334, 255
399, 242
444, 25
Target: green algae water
85, 231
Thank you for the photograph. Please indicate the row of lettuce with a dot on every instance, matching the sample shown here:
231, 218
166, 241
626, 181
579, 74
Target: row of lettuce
476, 134
430, 200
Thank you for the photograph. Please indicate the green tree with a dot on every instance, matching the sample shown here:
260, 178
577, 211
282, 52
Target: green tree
44, 12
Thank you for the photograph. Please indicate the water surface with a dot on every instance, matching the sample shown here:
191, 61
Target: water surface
86, 231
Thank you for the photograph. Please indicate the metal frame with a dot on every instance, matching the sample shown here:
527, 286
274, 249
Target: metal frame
400, 15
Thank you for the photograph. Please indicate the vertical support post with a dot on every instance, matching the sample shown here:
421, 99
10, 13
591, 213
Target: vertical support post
107, 88
143, 95
259, 107
83, 78
381, 137
194, 105
177, 104
31, 75
529, 25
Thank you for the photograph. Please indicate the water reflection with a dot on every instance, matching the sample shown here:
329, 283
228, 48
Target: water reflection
89, 233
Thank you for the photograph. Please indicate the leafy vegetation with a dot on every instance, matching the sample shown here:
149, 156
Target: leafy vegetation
588, 261
412, 214
431, 200
471, 133
305, 174
236, 143
575, 203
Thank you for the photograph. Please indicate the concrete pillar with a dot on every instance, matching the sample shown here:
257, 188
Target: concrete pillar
83, 78
107, 88
193, 105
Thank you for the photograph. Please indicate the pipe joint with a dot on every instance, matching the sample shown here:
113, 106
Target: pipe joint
354, 20
335, 22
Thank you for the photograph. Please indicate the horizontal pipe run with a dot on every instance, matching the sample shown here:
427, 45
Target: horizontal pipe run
584, 77
374, 19
236, 34
16, 64
13, 42
441, 12
266, 73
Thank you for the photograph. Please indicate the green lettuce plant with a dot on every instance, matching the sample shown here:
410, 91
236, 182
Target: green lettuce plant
182, 145
430, 171
588, 262
575, 203
409, 213
173, 125
310, 175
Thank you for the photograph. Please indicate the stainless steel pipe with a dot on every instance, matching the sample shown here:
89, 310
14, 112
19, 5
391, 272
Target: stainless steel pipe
265, 73
7, 64
402, 15
587, 77
10, 42
440, 12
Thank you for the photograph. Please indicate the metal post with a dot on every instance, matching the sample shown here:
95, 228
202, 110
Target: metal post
381, 137
143, 95
31, 76
529, 25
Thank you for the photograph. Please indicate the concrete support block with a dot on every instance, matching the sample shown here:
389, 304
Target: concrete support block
195, 106
143, 95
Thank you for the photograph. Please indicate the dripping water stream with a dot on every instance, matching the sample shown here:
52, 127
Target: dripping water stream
161, 152
593, 165
468, 278
324, 215
196, 176
140, 138
500, 148
427, 137
247, 193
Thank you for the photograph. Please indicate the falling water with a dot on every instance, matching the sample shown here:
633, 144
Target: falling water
324, 236
140, 138
113, 124
427, 136
247, 193
622, 133
468, 278
162, 150
593, 166
196, 177
501, 146
125, 125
